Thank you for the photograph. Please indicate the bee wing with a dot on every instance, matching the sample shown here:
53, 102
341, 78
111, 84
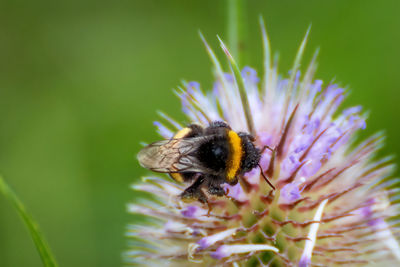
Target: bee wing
172, 155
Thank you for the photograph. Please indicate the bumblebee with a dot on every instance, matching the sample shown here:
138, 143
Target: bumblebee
208, 156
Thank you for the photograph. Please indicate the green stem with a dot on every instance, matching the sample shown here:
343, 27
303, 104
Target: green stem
33, 228
236, 29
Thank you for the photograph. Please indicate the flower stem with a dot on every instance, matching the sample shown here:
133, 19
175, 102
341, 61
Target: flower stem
236, 29
37, 236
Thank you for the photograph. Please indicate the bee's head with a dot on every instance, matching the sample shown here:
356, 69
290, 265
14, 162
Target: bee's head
252, 154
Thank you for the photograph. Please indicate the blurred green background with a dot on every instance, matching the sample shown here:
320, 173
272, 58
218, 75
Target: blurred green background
80, 83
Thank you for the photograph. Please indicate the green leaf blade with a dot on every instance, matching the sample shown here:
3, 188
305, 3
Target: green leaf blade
37, 236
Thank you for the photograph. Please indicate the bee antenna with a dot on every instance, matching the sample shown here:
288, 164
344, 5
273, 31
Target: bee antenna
265, 177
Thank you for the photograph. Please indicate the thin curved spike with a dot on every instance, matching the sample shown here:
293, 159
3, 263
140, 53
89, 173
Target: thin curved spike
267, 54
299, 55
241, 87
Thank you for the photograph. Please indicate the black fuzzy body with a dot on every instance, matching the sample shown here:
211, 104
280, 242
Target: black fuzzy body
214, 153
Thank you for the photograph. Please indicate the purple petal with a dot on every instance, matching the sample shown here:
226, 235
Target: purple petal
311, 168
162, 130
352, 110
290, 193
190, 211
193, 84
236, 192
250, 75
220, 253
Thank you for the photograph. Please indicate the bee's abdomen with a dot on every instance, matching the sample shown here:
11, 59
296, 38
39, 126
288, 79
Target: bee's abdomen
190, 131
183, 177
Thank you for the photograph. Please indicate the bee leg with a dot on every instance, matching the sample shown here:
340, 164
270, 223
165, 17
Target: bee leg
234, 182
193, 192
216, 190
214, 185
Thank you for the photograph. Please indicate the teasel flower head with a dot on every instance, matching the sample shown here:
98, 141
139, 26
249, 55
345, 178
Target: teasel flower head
334, 203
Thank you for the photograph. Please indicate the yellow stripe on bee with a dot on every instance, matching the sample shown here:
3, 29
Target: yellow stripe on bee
182, 133
235, 155
177, 177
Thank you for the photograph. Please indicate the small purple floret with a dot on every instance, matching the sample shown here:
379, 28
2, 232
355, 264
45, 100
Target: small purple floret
220, 253
229, 77
203, 243
250, 74
377, 223
290, 193
190, 211
193, 84
235, 191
